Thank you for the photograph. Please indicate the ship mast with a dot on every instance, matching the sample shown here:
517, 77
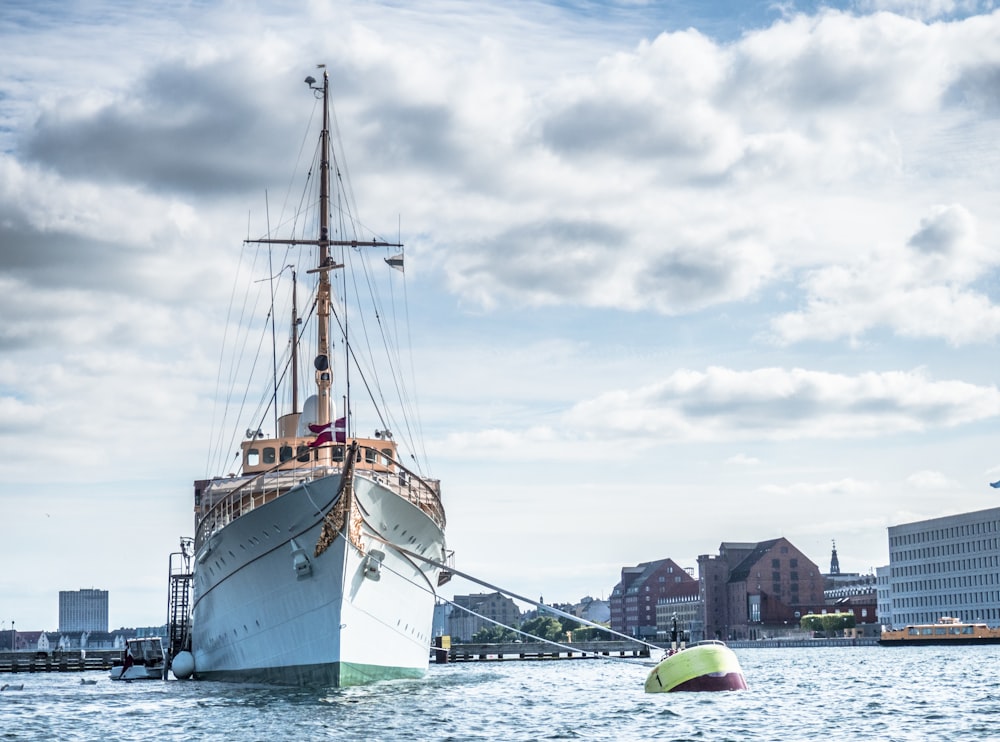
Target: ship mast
322, 361
295, 346
323, 375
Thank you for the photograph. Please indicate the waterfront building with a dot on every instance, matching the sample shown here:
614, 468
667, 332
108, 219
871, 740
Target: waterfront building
633, 600
752, 589
30, 641
441, 623
83, 610
481, 609
592, 609
688, 611
948, 566
884, 592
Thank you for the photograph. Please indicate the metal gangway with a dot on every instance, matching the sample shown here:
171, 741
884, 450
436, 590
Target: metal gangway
179, 602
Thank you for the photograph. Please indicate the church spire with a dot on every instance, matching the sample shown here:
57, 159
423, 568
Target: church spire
834, 561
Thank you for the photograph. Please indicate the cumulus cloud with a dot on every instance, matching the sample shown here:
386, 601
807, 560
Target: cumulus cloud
927, 479
923, 289
184, 126
779, 404
671, 155
925, 9
651, 168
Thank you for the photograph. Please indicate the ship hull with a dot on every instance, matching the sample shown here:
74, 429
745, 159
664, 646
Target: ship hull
269, 606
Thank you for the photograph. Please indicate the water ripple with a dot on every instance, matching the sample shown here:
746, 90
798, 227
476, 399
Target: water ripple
795, 694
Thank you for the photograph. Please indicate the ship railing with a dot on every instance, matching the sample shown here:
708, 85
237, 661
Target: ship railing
422, 492
230, 498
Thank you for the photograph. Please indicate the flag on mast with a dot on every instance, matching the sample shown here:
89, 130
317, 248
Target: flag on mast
323, 434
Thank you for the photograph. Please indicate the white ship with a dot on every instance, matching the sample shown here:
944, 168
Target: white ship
304, 567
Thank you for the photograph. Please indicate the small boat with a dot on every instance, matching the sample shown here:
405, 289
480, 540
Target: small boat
142, 659
85, 681
705, 666
8, 686
947, 631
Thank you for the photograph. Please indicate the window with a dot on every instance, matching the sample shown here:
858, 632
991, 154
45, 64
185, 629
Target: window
286, 452
269, 455
303, 453
253, 457
338, 453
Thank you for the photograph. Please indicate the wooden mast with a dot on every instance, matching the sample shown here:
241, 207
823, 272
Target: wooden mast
324, 380
295, 346
321, 364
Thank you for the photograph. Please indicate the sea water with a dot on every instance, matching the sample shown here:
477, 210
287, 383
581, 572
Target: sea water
823, 693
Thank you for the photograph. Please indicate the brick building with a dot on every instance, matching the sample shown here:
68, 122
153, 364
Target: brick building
633, 600
748, 587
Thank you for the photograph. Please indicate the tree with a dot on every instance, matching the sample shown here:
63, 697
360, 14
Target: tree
590, 634
494, 634
834, 623
828, 623
569, 624
545, 627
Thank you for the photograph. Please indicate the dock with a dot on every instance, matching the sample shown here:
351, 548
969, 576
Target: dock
861, 641
598, 649
76, 661
542, 651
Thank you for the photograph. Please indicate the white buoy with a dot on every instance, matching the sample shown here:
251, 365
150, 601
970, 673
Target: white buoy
183, 665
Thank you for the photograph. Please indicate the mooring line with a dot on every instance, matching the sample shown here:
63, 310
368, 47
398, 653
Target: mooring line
537, 604
565, 647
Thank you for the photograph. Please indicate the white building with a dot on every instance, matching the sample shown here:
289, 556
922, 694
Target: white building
83, 610
883, 593
946, 566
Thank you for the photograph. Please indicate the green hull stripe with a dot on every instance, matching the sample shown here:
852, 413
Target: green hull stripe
331, 675
357, 674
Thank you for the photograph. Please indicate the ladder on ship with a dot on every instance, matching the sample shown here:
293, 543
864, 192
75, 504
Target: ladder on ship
179, 600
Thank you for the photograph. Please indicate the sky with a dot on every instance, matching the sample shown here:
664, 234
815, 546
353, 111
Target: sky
678, 273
